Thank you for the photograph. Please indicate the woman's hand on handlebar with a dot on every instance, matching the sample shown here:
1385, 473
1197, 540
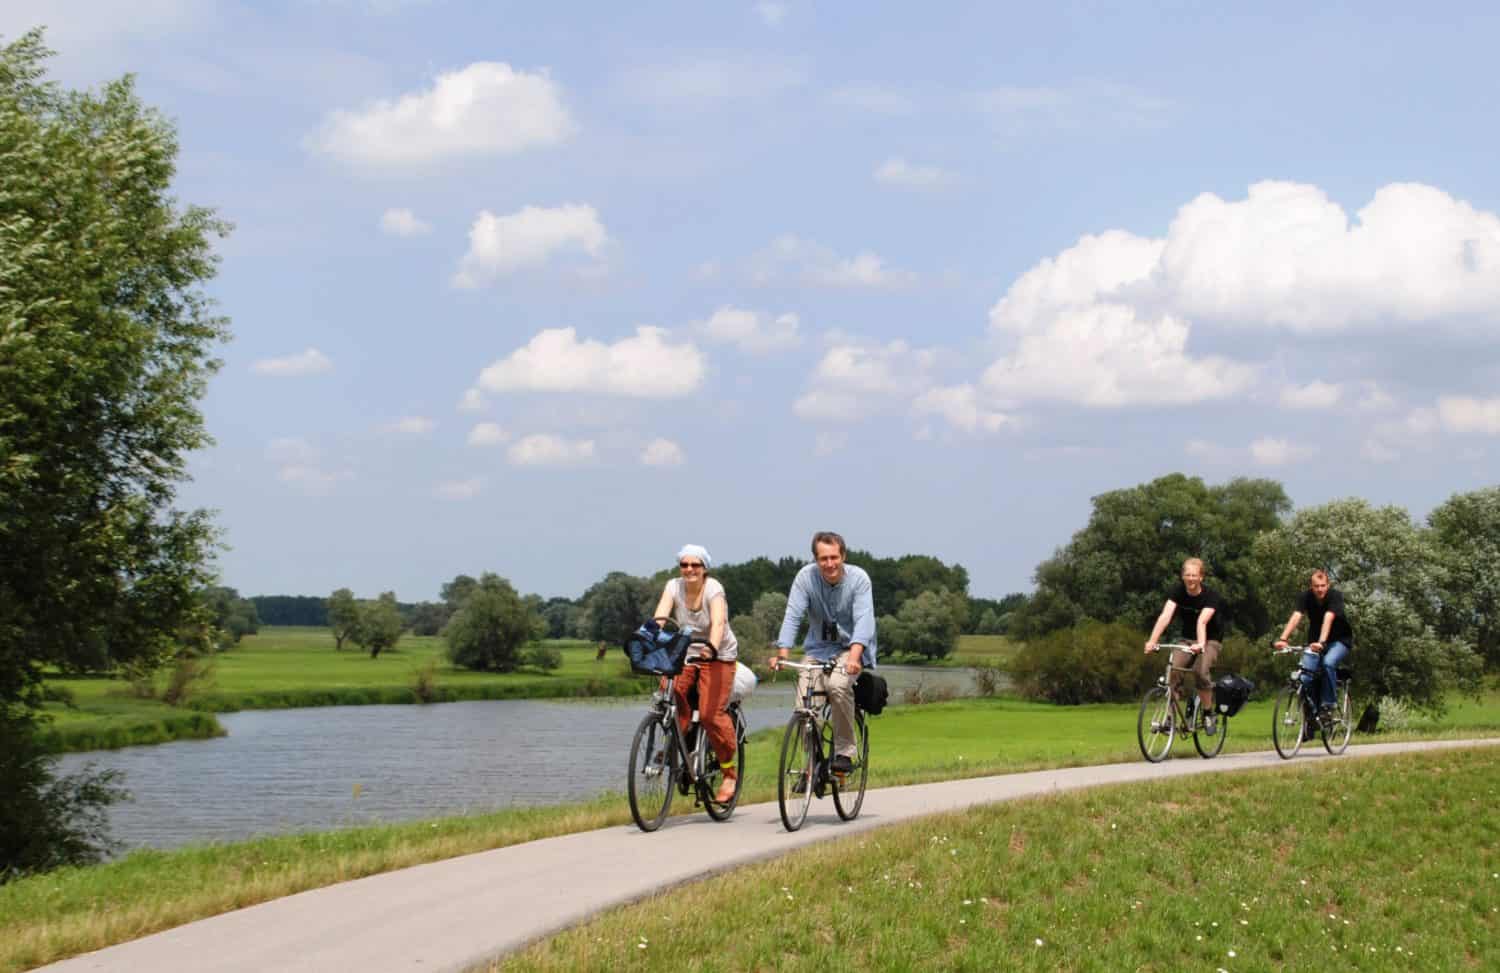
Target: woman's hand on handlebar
1279, 644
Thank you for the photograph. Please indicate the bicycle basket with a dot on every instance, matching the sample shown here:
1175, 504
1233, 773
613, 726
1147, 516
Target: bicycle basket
1231, 690
659, 653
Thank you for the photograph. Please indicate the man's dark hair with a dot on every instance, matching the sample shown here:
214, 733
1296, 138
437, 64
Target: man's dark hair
829, 537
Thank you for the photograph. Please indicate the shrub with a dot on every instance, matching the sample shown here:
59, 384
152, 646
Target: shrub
988, 680
540, 655
1091, 662
424, 683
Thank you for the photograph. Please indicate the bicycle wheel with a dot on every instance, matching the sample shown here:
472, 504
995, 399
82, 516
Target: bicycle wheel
1288, 722
849, 796
653, 768
1336, 734
1207, 746
715, 776
794, 779
1155, 725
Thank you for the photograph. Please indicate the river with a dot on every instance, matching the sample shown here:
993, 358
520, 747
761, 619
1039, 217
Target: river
281, 771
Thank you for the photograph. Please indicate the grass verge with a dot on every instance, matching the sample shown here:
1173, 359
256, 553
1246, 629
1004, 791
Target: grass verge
1382, 863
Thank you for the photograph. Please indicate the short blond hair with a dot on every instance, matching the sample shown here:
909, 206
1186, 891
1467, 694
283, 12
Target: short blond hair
1194, 562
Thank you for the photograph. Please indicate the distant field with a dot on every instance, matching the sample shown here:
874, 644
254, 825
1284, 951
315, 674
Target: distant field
287, 666
985, 650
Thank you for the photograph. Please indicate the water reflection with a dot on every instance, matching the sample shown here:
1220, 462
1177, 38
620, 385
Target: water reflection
314, 769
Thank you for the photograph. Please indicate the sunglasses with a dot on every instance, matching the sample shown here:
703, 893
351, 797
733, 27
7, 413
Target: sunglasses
687, 565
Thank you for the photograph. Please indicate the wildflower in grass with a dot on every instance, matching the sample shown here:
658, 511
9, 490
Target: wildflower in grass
1040, 943
1231, 954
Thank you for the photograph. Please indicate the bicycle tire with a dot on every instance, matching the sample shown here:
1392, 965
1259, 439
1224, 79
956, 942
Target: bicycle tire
710, 784
848, 800
652, 773
1156, 725
1288, 722
1336, 736
1209, 747
798, 763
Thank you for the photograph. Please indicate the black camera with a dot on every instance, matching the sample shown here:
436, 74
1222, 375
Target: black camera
830, 631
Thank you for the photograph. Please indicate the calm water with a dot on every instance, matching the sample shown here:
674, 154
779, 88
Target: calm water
314, 769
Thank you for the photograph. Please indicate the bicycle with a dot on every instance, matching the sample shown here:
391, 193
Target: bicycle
805, 768
663, 760
1164, 713
1295, 711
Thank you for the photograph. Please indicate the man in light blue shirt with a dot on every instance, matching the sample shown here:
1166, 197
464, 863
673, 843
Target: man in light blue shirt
839, 605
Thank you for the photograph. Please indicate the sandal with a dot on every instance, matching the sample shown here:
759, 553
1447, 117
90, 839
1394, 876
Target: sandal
727, 787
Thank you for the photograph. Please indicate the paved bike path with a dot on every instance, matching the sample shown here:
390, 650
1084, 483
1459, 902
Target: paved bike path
455, 914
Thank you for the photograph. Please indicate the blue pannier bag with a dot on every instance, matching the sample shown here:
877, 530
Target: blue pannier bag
658, 652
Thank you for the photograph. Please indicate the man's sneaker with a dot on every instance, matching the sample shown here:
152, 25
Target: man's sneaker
842, 765
1325, 715
1210, 725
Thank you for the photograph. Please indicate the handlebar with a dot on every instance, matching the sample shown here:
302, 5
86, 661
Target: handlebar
827, 667
1298, 649
1173, 646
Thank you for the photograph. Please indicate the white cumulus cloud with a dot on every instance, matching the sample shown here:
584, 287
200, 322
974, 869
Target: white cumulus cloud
485, 109
790, 256
663, 452
754, 332
646, 366
961, 406
1467, 414
299, 465
501, 245
541, 449
1313, 395
1269, 451
905, 175
856, 379
403, 222
488, 434
309, 362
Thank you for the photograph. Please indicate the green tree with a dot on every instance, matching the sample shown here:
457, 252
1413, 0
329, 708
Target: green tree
343, 616
106, 345
378, 624
1466, 529
428, 618
490, 630
769, 610
1391, 576
560, 615
1124, 562
928, 624
454, 592
232, 616
615, 606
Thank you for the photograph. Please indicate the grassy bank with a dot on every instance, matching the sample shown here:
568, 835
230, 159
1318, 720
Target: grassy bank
287, 667
74, 910
1388, 863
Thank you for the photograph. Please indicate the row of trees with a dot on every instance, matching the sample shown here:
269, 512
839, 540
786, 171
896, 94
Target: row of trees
1422, 597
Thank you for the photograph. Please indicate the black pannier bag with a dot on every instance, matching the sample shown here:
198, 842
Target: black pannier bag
658, 653
1230, 692
871, 692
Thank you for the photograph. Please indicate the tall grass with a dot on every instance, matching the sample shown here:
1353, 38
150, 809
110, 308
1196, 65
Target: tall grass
1388, 863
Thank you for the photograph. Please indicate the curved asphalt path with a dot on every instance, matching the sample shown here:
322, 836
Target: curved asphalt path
459, 913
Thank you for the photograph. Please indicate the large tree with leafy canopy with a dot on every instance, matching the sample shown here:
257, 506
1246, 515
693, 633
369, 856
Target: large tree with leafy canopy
1467, 533
106, 343
1391, 574
1121, 566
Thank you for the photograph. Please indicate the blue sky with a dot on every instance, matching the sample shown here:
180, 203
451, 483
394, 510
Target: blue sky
548, 290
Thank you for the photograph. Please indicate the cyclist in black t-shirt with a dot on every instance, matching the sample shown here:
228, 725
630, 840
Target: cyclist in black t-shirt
1201, 626
1324, 607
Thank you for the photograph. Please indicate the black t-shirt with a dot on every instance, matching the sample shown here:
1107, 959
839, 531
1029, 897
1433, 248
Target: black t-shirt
1188, 607
1333, 603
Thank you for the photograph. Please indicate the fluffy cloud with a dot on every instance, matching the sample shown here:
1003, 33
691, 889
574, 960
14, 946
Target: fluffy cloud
1313, 395
545, 450
1464, 414
299, 465
904, 175
403, 222
485, 109
1268, 451
960, 405
663, 452
501, 245
310, 362
753, 332
488, 434
458, 489
853, 380
645, 366
813, 263
410, 426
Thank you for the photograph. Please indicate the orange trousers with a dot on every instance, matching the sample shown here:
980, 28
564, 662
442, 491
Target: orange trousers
713, 680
